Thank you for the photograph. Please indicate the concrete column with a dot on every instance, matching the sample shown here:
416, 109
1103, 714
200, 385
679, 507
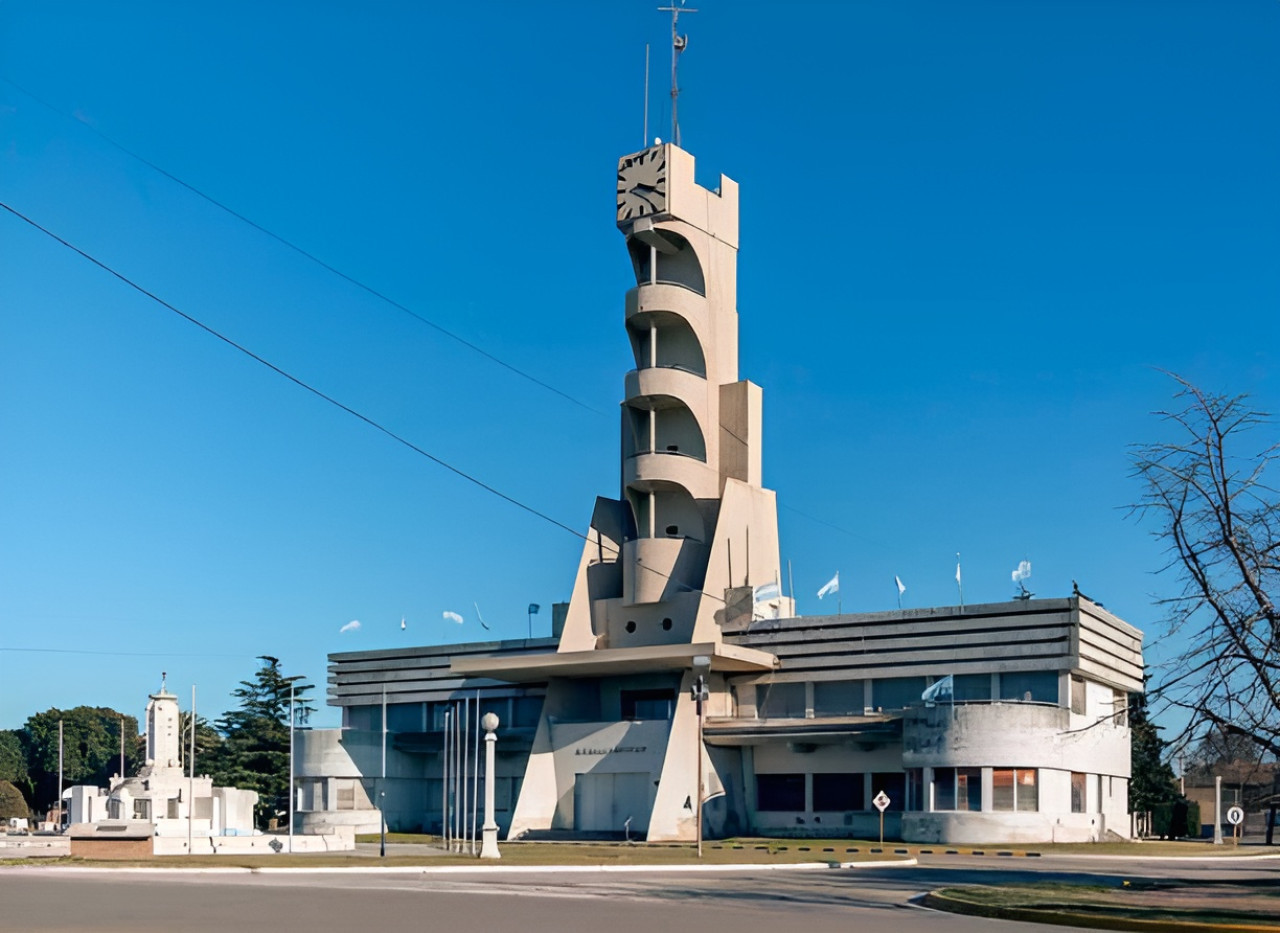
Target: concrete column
1217, 811
653, 344
489, 838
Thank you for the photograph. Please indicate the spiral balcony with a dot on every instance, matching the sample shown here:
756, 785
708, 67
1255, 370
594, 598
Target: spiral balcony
648, 299
647, 470
668, 381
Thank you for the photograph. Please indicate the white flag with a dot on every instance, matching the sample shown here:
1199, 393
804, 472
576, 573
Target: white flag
765, 592
940, 690
452, 617
1023, 572
831, 586
958, 583
902, 587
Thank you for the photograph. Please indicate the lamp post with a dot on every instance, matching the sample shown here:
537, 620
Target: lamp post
292, 681
489, 842
701, 667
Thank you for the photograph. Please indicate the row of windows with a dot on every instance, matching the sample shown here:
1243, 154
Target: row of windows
855, 697
1012, 789
834, 792
512, 712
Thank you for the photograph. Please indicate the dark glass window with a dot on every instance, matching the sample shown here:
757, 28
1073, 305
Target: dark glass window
648, 704
525, 712
363, 718
894, 784
972, 687
897, 692
837, 792
405, 717
780, 793
957, 789
838, 698
1030, 686
780, 701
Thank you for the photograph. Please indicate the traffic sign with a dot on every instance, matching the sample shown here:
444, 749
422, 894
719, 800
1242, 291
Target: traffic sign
881, 800
1235, 816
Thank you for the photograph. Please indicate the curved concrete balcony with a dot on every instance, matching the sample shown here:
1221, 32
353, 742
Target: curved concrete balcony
689, 387
660, 569
677, 299
647, 471
1008, 734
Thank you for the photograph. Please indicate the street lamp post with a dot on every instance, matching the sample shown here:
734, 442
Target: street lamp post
701, 667
489, 841
382, 811
292, 719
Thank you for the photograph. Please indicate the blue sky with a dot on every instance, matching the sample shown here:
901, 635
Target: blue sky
972, 236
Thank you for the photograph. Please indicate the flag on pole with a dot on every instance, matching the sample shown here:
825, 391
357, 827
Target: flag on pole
831, 586
533, 609
902, 587
958, 581
943, 689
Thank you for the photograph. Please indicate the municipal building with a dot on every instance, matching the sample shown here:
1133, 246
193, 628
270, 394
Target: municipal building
680, 692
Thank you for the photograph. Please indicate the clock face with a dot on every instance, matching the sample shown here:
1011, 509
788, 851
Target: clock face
642, 183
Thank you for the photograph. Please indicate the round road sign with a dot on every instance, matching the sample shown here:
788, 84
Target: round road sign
1235, 816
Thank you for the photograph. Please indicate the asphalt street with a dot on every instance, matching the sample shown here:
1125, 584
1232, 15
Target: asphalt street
69, 900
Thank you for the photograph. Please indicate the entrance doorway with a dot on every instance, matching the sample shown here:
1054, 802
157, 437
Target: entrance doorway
603, 802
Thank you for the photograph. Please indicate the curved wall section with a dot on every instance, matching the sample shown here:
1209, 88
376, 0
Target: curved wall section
645, 299
660, 569
644, 471
689, 387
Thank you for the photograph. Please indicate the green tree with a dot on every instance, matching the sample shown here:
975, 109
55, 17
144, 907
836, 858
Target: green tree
209, 742
1152, 782
90, 749
255, 750
13, 761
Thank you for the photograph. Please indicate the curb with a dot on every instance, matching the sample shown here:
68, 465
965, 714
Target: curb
473, 869
943, 904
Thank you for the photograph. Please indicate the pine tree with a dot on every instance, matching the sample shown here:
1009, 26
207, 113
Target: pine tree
1152, 783
255, 752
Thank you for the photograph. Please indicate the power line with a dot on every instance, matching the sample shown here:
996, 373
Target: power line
328, 398
369, 289
125, 654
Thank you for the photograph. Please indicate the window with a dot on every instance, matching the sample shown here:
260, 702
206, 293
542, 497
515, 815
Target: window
838, 698
897, 692
1120, 707
837, 792
780, 701
1077, 696
526, 711
363, 718
648, 704
972, 687
915, 789
779, 793
1030, 686
405, 717
1014, 789
894, 784
957, 789
142, 809
1079, 792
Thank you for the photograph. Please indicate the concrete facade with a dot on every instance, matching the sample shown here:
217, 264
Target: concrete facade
804, 720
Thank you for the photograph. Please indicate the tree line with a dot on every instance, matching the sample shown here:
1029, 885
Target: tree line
247, 747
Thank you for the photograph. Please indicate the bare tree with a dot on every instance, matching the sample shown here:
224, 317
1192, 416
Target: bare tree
1206, 493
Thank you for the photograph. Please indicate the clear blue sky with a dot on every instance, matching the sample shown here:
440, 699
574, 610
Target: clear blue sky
972, 234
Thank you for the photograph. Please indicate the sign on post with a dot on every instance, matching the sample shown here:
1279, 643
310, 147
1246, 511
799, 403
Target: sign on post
1235, 816
881, 801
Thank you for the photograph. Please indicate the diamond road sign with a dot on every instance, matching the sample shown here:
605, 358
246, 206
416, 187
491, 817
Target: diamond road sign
881, 800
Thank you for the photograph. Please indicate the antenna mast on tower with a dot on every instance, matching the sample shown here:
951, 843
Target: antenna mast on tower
678, 44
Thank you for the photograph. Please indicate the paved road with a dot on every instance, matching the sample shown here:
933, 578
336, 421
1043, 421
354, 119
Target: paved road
65, 900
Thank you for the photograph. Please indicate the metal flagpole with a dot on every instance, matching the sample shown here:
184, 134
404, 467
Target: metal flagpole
466, 745
122, 748
60, 775
475, 778
457, 744
645, 141
444, 785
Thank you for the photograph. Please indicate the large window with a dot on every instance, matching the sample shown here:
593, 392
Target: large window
657, 704
1014, 789
897, 692
780, 793
1030, 686
838, 698
363, 718
780, 701
406, 717
957, 789
837, 792
972, 687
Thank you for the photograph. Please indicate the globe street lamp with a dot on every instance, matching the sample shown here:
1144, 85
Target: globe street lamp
489, 843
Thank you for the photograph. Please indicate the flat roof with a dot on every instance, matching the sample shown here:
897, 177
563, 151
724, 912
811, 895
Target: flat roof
515, 668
